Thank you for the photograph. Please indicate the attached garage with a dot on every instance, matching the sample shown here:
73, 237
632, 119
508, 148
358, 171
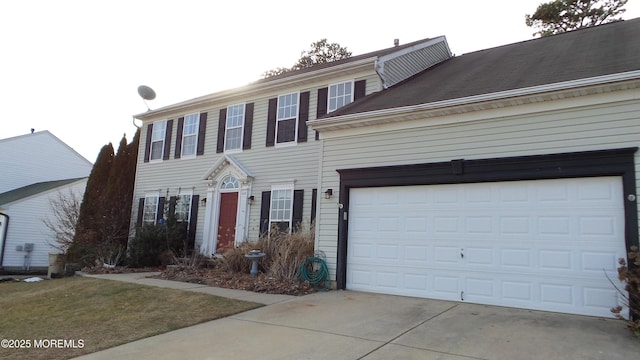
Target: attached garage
538, 244
539, 232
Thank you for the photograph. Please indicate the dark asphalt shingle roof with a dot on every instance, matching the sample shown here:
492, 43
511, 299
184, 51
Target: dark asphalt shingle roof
590, 52
376, 53
33, 189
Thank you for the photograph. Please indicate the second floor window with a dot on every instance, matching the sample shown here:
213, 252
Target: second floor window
234, 127
157, 140
287, 118
339, 95
190, 134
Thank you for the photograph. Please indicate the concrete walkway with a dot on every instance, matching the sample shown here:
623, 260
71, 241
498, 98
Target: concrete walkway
353, 325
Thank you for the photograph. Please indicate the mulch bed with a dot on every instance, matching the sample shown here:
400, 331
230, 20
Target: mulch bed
218, 277
240, 281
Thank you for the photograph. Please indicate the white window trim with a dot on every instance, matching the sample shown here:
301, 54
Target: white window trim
155, 213
185, 193
353, 90
289, 187
164, 136
295, 136
244, 112
195, 152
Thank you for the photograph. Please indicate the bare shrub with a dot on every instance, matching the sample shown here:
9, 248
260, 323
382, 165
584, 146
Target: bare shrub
284, 253
630, 275
65, 208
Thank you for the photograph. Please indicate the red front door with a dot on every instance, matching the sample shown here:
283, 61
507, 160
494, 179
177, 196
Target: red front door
227, 222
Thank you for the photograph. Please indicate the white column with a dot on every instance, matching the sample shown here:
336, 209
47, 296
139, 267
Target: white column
241, 216
209, 223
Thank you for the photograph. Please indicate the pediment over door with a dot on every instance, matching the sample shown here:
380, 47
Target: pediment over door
226, 166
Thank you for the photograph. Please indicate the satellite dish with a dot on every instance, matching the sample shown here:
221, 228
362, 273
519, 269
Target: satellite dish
146, 93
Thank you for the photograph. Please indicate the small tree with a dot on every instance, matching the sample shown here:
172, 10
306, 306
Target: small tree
65, 208
321, 52
563, 15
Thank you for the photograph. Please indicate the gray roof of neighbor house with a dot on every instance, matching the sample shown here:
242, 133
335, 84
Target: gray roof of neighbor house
33, 189
590, 52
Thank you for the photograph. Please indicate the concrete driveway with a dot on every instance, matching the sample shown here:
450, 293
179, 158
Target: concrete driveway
354, 325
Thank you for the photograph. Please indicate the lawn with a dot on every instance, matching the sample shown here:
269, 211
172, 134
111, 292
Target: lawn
93, 314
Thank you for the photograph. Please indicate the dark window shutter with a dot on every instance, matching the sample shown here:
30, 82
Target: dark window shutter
140, 212
303, 116
172, 205
202, 131
321, 109
178, 151
167, 140
296, 220
193, 220
160, 212
248, 126
359, 89
314, 203
147, 146
265, 206
222, 125
271, 121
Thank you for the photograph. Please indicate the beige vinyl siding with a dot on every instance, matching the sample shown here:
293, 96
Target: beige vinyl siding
268, 165
595, 127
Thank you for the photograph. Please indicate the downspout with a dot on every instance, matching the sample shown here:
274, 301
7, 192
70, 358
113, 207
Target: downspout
4, 238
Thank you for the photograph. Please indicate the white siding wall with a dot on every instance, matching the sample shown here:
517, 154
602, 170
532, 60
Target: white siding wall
26, 226
494, 135
268, 165
38, 157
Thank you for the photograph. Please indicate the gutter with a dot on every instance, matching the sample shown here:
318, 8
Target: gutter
4, 238
321, 123
251, 88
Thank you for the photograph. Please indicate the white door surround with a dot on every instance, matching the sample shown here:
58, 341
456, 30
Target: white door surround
226, 175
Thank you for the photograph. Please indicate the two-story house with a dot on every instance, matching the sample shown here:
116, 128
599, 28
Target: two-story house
237, 162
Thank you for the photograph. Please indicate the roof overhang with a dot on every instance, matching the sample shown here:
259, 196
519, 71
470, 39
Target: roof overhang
534, 94
258, 89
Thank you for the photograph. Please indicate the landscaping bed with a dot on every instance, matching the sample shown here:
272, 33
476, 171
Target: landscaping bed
217, 277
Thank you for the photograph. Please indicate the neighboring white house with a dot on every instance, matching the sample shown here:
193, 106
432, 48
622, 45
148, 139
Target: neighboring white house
236, 162
35, 167
25, 241
506, 176
36, 157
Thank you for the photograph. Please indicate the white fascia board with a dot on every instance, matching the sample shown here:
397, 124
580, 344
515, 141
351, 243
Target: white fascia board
328, 123
253, 89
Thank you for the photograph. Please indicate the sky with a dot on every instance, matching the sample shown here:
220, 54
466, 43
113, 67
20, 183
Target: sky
73, 67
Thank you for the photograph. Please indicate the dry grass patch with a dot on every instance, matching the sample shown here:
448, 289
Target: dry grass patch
103, 313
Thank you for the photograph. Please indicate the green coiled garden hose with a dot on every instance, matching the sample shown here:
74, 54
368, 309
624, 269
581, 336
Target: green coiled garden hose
315, 271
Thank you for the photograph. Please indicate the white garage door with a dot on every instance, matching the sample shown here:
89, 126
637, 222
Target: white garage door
543, 244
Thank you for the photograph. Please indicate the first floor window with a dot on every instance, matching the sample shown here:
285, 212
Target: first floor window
339, 95
150, 209
234, 127
157, 140
287, 118
190, 134
183, 207
281, 208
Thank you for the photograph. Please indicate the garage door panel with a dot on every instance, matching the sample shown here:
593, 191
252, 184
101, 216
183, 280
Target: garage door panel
543, 245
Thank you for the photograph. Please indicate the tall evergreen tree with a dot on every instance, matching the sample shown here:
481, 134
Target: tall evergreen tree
119, 194
91, 210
